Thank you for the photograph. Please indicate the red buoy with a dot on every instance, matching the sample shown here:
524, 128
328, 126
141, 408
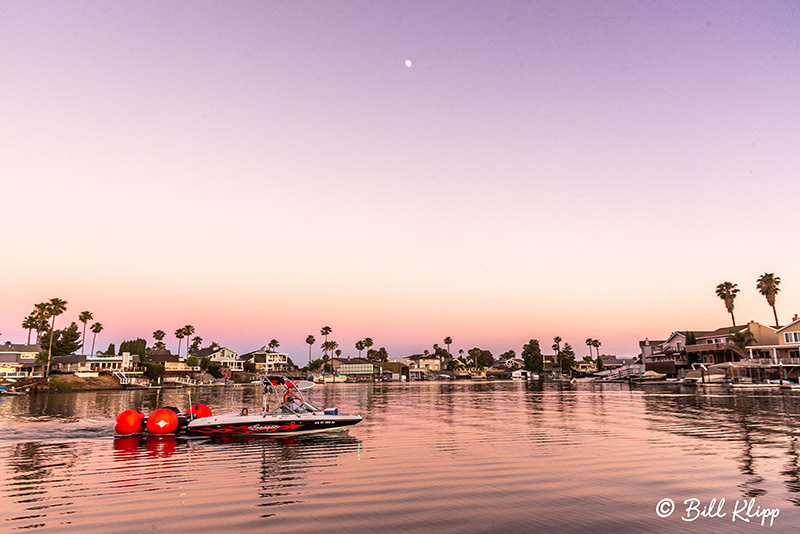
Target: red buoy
200, 410
129, 422
162, 421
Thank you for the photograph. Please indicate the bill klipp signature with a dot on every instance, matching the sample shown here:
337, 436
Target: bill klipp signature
744, 510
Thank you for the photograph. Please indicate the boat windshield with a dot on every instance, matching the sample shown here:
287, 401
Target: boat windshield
295, 407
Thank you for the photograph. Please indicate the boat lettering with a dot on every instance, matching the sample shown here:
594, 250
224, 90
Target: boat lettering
268, 428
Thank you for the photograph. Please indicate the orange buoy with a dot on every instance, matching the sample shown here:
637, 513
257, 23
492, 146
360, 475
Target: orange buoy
162, 421
129, 422
200, 410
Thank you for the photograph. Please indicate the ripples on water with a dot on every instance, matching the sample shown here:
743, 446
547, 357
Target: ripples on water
450, 457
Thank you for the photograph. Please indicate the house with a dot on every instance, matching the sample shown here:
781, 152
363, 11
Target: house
18, 360
715, 346
267, 361
785, 348
223, 356
398, 370
84, 363
424, 361
171, 362
360, 369
668, 356
584, 366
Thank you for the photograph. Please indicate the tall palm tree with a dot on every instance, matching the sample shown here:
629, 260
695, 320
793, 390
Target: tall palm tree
159, 335
96, 329
310, 340
55, 307
274, 344
557, 347
590, 344
84, 317
29, 324
188, 330
196, 342
42, 313
596, 344
767, 284
180, 335
325, 330
727, 292
359, 347
448, 341
368, 344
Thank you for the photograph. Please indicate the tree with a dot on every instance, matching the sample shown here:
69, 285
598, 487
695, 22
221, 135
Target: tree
55, 307
273, 344
192, 361
159, 335
61, 342
567, 358
134, 346
448, 341
359, 347
740, 340
727, 292
196, 342
96, 329
596, 344
42, 313
179, 333
767, 284
325, 330
310, 340
532, 354
380, 355
338, 352
84, 317
111, 350
589, 343
188, 330
368, 343
29, 324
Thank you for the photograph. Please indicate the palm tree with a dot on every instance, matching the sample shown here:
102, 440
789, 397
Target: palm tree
740, 340
159, 335
596, 344
30, 323
196, 342
274, 344
767, 284
590, 344
368, 344
84, 317
310, 340
557, 347
188, 330
727, 292
180, 335
42, 315
448, 341
359, 347
55, 307
96, 328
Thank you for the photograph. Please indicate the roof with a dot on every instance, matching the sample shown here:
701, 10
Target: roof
20, 347
724, 331
162, 356
788, 325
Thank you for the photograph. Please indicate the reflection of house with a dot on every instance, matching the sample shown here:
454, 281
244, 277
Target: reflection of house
82, 363
18, 360
222, 356
267, 361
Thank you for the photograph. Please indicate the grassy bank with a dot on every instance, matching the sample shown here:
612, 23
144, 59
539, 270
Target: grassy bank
66, 383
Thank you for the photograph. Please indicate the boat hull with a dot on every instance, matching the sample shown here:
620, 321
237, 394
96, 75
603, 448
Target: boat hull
269, 425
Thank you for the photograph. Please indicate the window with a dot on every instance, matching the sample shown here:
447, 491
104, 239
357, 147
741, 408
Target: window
791, 337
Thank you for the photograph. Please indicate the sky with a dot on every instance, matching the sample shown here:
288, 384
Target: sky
262, 169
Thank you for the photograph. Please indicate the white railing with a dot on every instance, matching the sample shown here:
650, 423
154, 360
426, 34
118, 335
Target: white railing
183, 380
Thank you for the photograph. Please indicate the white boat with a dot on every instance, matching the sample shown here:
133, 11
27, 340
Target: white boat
583, 380
522, 374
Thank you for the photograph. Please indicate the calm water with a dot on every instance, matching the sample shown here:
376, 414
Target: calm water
444, 457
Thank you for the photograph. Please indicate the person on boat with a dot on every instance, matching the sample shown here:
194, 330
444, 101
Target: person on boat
244, 412
293, 399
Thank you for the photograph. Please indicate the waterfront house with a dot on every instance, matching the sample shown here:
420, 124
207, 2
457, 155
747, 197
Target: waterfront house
360, 369
18, 360
399, 371
267, 361
429, 362
715, 347
668, 356
223, 356
99, 363
786, 346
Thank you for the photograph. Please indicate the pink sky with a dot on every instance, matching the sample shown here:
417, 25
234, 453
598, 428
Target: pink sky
260, 170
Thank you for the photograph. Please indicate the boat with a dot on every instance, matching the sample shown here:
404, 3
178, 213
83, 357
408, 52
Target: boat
583, 379
286, 418
5, 390
522, 374
649, 376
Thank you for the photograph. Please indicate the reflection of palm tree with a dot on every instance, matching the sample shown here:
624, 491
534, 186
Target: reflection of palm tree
55, 307
84, 317
767, 284
727, 292
96, 328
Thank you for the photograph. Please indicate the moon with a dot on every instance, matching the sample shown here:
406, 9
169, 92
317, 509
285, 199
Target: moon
408, 63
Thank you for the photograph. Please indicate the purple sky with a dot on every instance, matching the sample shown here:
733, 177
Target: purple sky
262, 169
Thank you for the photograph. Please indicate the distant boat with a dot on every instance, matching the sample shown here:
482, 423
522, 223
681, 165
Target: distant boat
334, 379
583, 380
649, 376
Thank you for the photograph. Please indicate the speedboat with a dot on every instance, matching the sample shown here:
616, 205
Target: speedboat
296, 417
